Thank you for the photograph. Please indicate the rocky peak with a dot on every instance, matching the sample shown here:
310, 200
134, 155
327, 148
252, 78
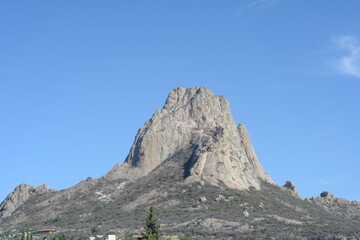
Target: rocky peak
19, 196
197, 118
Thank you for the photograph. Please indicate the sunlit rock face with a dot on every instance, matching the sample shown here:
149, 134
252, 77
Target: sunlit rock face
19, 196
196, 118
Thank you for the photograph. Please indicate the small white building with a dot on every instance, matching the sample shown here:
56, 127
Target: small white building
111, 237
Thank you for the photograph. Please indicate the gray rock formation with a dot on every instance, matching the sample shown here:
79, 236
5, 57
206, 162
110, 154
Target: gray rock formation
341, 206
197, 118
19, 196
291, 187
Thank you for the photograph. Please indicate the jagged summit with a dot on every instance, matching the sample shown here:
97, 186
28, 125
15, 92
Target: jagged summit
196, 118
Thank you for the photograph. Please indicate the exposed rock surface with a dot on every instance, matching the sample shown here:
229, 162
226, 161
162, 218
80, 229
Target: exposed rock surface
19, 196
290, 186
195, 117
341, 206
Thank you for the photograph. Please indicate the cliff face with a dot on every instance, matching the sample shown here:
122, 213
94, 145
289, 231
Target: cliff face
19, 196
197, 118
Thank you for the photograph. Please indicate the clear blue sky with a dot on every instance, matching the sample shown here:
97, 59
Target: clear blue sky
78, 78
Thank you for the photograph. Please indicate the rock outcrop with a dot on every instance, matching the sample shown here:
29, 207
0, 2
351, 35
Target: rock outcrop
341, 206
291, 187
197, 118
19, 196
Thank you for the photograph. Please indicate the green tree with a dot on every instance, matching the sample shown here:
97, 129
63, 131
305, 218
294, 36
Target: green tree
95, 230
23, 235
28, 235
59, 237
152, 227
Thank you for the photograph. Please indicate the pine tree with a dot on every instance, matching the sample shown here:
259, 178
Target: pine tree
152, 227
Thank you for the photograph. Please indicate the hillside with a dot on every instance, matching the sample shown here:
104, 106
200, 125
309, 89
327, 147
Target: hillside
200, 172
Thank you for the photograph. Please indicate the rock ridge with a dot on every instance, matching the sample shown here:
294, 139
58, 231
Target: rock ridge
19, 196
341, 206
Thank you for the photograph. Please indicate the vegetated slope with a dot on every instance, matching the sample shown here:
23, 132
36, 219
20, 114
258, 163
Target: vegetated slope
197, 210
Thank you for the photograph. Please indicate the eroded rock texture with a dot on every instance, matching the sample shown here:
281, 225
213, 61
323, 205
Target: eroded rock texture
198, 118
19, 196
